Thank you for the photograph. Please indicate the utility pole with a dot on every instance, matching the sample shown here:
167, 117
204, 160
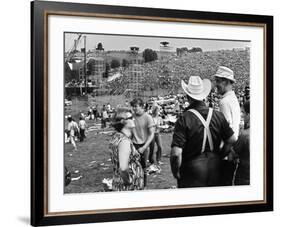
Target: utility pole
85, 65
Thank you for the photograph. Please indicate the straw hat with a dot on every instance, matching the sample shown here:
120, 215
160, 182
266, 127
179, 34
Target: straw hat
197, 88
224, 72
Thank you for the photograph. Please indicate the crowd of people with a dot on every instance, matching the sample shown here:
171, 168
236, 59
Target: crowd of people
168, 72
209, 147
77, 131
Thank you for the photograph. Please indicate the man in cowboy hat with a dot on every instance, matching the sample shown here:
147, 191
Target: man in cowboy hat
229, 106
196, 155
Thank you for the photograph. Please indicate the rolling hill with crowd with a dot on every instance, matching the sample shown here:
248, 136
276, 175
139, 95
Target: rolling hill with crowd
167, 73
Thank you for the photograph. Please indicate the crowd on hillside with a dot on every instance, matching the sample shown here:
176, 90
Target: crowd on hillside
194, 162
168, 72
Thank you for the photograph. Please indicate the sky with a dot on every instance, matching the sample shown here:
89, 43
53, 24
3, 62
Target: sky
121, 42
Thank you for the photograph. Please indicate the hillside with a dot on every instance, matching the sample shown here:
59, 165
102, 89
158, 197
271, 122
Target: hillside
167, 73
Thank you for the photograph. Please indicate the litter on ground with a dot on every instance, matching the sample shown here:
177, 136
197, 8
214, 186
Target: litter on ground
108, 183
76, 178
92, 128
153, 169
107, 132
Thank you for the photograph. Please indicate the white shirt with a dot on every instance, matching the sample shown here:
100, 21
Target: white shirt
230, 108
82, 124
72, 127
104, 114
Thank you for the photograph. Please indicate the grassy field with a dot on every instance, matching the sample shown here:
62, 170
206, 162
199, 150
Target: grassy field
91, 163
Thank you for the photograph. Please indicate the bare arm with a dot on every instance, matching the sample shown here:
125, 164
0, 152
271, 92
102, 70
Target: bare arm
226, 149
124, 154
231, 140
149, 139
175, 161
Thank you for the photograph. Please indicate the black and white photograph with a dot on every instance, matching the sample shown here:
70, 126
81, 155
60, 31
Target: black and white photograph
151, 112
145, 113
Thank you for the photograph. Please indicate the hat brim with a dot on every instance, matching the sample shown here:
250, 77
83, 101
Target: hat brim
220, 76
207, 86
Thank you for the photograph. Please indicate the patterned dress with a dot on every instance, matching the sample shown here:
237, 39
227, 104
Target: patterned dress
136, 175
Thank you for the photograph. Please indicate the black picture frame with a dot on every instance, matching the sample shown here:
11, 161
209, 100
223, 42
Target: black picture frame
40, 11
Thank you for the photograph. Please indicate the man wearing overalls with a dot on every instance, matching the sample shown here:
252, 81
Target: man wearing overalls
196, 155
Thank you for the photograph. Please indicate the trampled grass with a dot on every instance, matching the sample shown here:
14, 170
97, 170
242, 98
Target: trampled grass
91, 163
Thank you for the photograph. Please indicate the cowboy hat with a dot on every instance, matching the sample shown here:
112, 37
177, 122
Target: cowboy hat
197, 88
224, 72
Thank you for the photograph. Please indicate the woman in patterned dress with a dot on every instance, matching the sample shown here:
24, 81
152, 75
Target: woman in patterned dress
127, 170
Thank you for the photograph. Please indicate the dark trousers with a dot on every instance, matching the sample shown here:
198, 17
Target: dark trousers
143, 161
82, 134
103, 123
157, 140
201, 171
227, 172
243, 174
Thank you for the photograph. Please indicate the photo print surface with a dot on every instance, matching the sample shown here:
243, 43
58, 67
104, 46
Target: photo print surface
146, 112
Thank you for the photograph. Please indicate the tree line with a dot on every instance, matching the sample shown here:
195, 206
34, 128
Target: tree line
148, 55
185, 50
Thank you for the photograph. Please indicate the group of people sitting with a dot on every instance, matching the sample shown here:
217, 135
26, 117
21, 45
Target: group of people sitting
207, 148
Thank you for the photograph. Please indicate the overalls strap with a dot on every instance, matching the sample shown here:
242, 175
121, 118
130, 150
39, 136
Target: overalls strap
207, 132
